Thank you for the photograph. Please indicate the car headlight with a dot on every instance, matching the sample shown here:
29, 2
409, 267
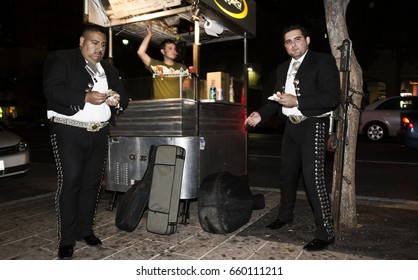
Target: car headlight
22, 146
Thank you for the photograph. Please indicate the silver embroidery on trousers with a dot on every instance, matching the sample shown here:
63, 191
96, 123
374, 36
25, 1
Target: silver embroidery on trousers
320, 138
59, 183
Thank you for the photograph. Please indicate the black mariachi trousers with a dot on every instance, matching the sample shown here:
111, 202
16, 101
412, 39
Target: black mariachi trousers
80, 158
304, 150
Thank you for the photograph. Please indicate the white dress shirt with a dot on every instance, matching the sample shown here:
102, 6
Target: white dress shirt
91, 112
290, 88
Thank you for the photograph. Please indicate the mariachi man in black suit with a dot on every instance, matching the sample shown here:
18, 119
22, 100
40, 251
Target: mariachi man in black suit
306, 92
82, 92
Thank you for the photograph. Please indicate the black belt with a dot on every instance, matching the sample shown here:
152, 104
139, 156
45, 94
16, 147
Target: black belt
295, 119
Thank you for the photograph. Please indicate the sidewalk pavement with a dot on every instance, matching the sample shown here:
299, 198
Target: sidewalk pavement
387, 230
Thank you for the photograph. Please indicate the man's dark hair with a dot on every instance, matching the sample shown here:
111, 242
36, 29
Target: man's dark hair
295, 26
165, 42
91, 28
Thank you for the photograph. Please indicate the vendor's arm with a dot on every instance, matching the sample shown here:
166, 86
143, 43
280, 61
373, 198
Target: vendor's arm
187, 84
142, 50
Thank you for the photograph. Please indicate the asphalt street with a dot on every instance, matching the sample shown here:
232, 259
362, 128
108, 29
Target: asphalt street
384, 171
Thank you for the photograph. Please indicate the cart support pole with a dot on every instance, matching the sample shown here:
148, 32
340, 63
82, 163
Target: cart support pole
196, 47
245, 74
110, 59
196, 65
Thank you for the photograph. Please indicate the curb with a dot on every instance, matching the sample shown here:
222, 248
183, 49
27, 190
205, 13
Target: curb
363, 200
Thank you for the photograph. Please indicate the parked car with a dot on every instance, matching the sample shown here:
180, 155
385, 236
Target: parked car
409, 130
23, 122
381, 118
14, 154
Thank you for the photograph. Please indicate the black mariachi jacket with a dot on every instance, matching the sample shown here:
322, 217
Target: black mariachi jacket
319, 86
65, 81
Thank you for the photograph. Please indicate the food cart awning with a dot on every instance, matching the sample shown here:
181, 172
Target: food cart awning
218, 20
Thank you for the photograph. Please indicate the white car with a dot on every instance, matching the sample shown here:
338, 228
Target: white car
382, 118
14, 154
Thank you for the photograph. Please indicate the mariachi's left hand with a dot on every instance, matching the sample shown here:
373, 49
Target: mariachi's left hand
114, 99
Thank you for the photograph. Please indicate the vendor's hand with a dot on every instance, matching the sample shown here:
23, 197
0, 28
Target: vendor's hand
253, 119
148, 27
287, 100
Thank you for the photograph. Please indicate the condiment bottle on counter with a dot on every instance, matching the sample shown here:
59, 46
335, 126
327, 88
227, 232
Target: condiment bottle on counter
219, 96
231, 90
212, 90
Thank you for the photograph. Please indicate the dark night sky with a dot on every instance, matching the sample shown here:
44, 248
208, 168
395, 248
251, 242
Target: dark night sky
372, 24
30, 29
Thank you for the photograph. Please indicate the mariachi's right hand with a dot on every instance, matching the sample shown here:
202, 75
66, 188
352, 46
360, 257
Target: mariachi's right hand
253, 119
95, 97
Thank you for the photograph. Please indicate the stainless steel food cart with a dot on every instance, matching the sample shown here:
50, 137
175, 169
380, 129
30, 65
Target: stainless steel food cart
211, 131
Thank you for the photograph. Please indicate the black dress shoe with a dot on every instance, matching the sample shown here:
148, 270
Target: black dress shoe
92, 240
65, 252
318, 244
276, 224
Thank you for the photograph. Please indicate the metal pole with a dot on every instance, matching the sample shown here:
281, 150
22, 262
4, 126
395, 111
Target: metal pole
245, 74
196, 66
196, 47
110, 58
341, 131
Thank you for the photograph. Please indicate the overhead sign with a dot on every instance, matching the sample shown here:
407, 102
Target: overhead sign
241, 14
233, 8
103, 12
126, 8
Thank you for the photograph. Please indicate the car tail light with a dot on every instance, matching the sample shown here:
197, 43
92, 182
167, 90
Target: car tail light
407, 123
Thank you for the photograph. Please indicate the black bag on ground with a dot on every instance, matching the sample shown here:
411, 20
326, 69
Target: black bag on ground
134, 202
225, 203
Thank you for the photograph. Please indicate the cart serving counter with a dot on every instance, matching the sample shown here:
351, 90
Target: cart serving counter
210, 130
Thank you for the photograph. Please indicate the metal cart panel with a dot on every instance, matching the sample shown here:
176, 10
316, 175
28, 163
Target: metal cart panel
128, 161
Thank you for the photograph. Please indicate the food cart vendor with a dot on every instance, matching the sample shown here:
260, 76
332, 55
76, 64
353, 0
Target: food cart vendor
164, 86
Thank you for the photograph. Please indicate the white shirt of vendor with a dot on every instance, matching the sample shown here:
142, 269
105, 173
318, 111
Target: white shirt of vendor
165, 86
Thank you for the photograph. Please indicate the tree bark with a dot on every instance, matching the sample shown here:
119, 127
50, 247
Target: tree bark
335, 11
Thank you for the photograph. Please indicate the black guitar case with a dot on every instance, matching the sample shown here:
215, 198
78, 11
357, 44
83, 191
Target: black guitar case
225, 203
134, 202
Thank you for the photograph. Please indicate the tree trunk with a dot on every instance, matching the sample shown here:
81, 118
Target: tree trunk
335, 11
